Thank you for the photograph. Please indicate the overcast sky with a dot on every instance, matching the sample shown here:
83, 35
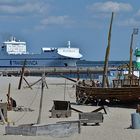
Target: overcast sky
51, 23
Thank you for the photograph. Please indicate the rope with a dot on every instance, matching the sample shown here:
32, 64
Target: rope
28, 106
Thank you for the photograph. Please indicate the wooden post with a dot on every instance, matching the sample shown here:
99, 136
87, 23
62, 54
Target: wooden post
9, 107
22, 74
41, 99
78, 74
104, 81
8, 95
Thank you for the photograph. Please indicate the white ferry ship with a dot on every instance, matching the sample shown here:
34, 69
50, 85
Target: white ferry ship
13, 53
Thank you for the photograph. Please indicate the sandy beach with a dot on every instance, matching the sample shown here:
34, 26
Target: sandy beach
115, 126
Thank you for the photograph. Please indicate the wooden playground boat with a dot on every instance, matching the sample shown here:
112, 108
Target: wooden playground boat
126, 88
123, 94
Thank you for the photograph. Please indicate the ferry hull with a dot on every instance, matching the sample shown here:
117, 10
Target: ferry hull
13, 53
37, 60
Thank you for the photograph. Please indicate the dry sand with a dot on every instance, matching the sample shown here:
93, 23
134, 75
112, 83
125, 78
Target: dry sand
114, 127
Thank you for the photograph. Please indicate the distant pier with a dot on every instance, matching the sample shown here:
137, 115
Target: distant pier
53, 70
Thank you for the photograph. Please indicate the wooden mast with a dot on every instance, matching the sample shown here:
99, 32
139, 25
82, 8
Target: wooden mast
105, 78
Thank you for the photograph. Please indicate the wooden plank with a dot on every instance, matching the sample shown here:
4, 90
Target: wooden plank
100, 108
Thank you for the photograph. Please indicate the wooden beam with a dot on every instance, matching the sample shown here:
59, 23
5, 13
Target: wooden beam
36, 82
68, 78
27, 83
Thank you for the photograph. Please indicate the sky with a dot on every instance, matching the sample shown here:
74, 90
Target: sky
51, 23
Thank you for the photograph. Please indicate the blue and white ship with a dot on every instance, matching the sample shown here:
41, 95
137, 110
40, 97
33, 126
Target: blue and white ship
13, 53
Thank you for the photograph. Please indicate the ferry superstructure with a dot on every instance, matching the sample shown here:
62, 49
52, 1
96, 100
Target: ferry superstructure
13, 53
